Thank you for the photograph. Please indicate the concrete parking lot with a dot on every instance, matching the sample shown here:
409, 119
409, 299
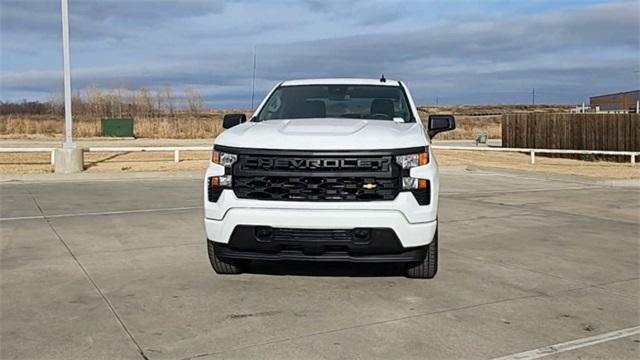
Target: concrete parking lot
117, 268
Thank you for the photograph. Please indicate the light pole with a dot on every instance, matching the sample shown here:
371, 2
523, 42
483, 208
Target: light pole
68, 127
69, 159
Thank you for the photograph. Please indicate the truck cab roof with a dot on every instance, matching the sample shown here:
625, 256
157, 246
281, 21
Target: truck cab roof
340, 81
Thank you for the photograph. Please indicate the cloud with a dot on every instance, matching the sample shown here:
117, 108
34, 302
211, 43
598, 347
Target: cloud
530, 50
93, 19
359, 11
517, 37
566, 54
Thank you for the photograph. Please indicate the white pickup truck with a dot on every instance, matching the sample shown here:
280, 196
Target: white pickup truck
326, 170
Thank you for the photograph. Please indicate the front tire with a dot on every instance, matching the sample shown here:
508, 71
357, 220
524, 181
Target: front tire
224, 266
427, 268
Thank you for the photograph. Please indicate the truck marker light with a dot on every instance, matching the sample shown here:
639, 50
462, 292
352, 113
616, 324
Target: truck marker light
409, 183
423, 158
224, 181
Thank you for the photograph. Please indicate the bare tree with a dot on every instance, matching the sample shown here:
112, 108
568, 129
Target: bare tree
56, 102
131, 105
145, 101
169, 98
118, 99
159, 101
164, 97
97, 101
194, 100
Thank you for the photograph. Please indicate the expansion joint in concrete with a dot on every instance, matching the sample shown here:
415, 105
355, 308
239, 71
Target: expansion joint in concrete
90, 279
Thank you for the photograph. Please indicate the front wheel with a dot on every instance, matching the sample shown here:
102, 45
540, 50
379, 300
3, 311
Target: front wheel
224, 266
427, 268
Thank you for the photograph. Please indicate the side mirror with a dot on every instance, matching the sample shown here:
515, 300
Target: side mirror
231, 120
440, 123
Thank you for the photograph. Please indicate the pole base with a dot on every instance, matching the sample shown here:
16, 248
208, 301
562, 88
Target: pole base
69, 160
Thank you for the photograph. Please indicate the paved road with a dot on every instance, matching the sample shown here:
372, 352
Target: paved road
110, 269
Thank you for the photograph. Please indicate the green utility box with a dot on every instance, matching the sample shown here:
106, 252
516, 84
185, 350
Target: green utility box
120, 127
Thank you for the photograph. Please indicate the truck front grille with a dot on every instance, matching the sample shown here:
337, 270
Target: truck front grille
310, 188
316, 178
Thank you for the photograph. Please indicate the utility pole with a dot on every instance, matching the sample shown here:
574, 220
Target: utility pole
437, 100
69, 159
533, 96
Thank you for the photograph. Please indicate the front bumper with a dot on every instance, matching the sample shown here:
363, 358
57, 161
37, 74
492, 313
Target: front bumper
353, 245
409, 234
410, 255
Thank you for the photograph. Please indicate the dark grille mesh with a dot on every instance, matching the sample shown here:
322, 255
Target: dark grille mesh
309, 188
371, 180
311, 235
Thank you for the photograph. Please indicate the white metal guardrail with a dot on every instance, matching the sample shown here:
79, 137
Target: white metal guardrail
177, 149
52, 151
532, 152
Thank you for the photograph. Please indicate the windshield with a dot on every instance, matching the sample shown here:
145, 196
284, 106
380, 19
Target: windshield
337, 101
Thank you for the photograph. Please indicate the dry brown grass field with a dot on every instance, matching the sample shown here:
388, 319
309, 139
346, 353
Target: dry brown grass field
179, 126
493, 109
471, 120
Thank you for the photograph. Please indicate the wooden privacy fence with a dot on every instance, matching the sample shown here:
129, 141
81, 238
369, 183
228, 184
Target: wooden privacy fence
611, 132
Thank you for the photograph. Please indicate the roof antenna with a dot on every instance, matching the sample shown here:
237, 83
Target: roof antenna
382, 79
253, 80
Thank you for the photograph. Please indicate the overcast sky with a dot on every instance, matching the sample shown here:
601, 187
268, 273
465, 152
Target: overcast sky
459, 51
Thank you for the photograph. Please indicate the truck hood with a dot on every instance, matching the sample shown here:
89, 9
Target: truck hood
324, 134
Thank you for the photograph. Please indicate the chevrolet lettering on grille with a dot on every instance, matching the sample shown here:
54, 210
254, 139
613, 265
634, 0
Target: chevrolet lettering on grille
305, 164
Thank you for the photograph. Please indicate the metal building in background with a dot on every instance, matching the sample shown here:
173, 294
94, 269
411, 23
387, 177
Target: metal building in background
622, 102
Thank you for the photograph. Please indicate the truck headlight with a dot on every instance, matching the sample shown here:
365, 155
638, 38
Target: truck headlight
218, 183
409, 183
225, 159
418, 187
410, 161
413, 160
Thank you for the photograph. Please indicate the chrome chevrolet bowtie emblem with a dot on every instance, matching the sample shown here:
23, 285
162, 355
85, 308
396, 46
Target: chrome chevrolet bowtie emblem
370, 186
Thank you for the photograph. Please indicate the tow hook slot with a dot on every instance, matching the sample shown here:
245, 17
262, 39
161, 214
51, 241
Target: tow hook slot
264, 233
361, 235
